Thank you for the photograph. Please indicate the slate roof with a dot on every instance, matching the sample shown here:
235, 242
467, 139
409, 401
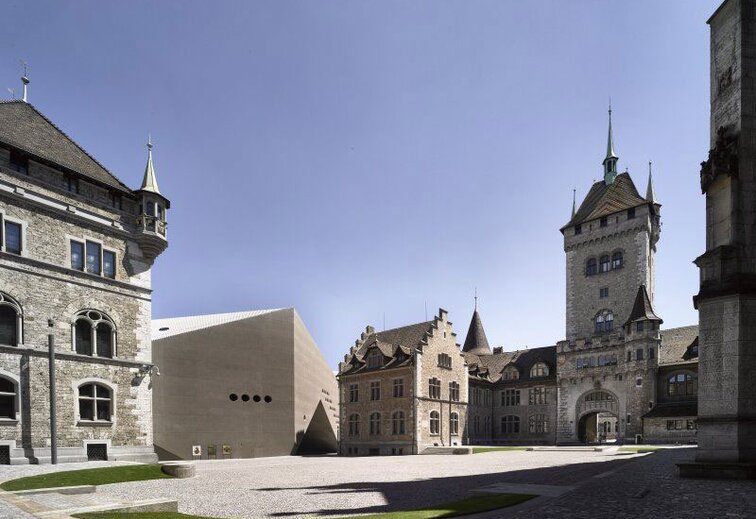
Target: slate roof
162, 328
476, 341
679, 345
603, 199
25, 128
489, 367
389, 342
642, 308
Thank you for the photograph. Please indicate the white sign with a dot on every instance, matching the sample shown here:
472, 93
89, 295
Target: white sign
196, 450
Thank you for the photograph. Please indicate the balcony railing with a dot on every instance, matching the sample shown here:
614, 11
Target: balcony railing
152, 224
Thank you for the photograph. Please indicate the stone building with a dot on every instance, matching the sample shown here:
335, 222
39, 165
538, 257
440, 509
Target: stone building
403, 390
75, 257
241, 385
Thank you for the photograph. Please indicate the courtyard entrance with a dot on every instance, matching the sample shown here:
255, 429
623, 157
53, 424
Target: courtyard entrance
597, 413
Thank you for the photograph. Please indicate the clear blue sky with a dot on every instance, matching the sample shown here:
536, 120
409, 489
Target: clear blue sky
357, 158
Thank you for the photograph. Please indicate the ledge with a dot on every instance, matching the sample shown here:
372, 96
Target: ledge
64, 355
93, 423
8, 422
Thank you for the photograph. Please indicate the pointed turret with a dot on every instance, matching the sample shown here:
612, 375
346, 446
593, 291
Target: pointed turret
149, 183
650, 194
610, 162
476, 341
642, 310
574, 210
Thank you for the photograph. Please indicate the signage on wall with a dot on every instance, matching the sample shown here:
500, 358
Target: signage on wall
227, 450
196, 450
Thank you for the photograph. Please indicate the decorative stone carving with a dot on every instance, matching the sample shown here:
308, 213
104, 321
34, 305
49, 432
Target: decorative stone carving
723, 158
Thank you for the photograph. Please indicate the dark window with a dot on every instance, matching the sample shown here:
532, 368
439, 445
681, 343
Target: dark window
8, 325
629, 356
116, 200
454, 423
603, 221
650, 353
434, 388
578, 229
682, 384
538, 396
631, 213
94, 403
375, 390
73, 185
354, 393
89, 323
510, 424
590, 267
83, 337
150, 209
375, 358
604, 264
434, 422
77, 255
453, 391
104, 340
13, 237
375, 423
639, 326
604, 322
94, 252
639, 354
604, 292
617, 260
354, 425
108, 264
19, 162
510, 397
444, 361
397, 422
398, 387
7, 399
539, 424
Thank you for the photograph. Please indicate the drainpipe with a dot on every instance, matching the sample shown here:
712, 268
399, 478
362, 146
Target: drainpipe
53, 420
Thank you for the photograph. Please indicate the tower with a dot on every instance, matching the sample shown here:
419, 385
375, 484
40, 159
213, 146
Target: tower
151, 222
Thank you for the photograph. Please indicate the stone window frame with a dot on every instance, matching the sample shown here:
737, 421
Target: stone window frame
591, 266
374, 421
374, 358
538, 423
454, 391
434, 388
103, 248
398, 423
93, 324
353, 425
397, 385
601, 319
434, 423
510, 398
373, 385
691, 382
24, 226
8, 300
77, 384
617, 259
538, 395
16, 381
454, 423
354, 392
512, 422
604, 266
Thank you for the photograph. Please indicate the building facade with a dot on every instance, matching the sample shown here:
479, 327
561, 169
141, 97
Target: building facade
241, 385
75, 257
403, 390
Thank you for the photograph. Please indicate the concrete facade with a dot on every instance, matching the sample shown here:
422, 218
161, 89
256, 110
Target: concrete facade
48, 293
241, 385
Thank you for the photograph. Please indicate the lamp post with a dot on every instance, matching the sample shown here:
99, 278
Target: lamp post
53, 421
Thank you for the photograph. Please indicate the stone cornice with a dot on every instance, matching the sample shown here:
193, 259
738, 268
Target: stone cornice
590, 241
63, 355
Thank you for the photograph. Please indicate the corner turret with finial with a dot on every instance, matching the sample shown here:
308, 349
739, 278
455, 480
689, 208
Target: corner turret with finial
151, 221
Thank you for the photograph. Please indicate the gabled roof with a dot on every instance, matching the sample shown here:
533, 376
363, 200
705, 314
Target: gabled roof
162, 328
679, 345
492, 365
604, 199
642, 308
25, 128
476, 341
396, 344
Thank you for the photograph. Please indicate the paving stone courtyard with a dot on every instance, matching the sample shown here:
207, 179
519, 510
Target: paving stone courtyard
573, 484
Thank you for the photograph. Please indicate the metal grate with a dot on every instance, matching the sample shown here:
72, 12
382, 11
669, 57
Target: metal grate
97, 452
4, 455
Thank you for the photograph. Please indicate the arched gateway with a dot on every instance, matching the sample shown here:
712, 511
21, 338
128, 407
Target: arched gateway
597, 413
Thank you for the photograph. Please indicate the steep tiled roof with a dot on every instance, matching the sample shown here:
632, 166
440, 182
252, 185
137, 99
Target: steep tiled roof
476, 341
642, 308
24, 127
399, 341
492, 365
677, 345
162, 328
603, 199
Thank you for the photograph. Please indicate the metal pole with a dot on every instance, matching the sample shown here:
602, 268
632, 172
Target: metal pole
53, 421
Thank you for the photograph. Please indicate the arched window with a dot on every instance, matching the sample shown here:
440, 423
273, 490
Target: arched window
397, 422
454, 423
434, 422
617, 260
11, 321
604, 321
682, 384
94, 334
510, 373
599, 396
95, 403
590, 267
354, 425
539, 369
8, 397
375, 423
510, 424
604, 263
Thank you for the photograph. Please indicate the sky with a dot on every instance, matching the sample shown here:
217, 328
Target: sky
363, 161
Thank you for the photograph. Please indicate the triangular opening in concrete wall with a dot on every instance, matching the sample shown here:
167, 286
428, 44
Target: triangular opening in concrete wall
319, 437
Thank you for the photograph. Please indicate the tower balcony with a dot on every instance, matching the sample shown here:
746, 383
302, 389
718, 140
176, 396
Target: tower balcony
151, 235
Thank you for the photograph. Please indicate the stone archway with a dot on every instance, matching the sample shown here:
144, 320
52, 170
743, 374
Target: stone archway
589, 410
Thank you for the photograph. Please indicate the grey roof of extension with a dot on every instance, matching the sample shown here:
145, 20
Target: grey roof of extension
163, 328
679, 345
26, 128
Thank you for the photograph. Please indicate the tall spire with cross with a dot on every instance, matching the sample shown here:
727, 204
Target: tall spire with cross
610, 162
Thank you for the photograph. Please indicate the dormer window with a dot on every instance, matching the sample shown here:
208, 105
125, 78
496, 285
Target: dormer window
73, 185
375, 358
510, 373
539, 369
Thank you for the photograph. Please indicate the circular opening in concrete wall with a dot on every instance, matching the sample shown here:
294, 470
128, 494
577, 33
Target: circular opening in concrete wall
233, 397
163, 329
267, 399
245, 398
256, 398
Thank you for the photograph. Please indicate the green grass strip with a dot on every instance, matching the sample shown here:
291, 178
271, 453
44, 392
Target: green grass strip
640, 448
138, 515
470, 505
479, 450
100, 476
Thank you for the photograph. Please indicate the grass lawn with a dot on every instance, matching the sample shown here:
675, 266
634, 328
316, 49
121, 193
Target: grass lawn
470, 505
479, 450
101, 476
138, 515
639, 448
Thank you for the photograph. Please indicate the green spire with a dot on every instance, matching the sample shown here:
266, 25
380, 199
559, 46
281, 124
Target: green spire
610, 162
